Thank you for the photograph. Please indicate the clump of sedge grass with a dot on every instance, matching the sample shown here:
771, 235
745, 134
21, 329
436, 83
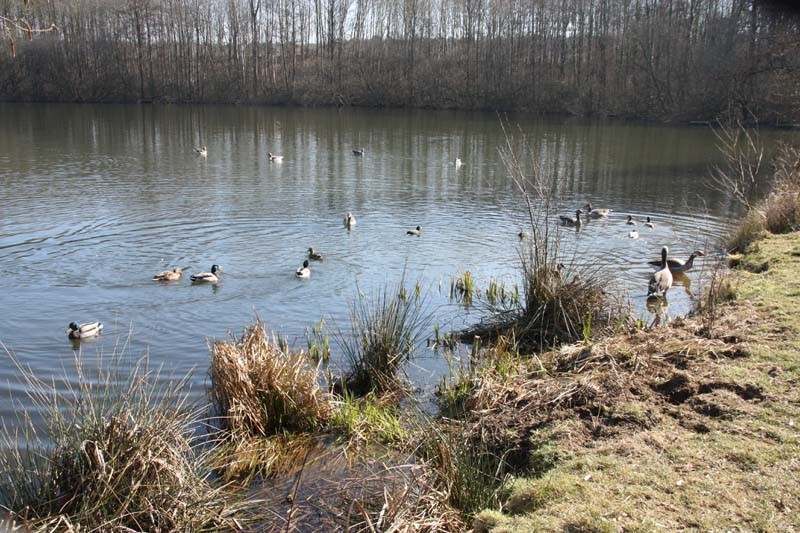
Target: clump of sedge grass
470, 476
748, 231
261, 388
115, 454
561, 302
385, 329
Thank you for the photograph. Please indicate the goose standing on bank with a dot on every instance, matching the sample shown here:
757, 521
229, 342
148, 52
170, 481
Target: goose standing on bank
359, 152
416, 231
208, 277
275, 158
84, 331
202, 152
660, 281
349, 220
314, 255
649, 224
169, 275
677, 265
596, 212
572, 221
630, 221
303, 271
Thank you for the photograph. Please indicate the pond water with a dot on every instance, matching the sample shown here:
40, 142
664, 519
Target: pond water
95, 199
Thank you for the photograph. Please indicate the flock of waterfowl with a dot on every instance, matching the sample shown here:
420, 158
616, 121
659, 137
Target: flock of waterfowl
661, 281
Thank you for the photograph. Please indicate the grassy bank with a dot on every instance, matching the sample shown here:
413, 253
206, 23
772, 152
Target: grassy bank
669, 428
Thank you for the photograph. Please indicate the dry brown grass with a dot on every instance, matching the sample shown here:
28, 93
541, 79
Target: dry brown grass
260, 389
507, 404
116, 454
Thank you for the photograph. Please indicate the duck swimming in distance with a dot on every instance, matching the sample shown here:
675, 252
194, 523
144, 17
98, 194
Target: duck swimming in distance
572, 221
303, 271
208, 277
349, 220
316, 256
84, 331
678, 265
169, 275
416, 231
594, 212
202, 152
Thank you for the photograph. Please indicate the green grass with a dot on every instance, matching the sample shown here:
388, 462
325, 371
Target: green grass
657, 465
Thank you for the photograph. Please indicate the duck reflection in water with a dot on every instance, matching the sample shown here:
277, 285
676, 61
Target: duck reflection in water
659, 308
679, 278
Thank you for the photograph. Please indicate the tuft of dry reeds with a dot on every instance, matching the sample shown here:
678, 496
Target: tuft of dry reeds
385, 329
116, 454
782, 204
260, 387
562, 301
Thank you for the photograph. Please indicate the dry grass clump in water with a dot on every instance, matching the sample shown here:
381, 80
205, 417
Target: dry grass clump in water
115, 455
261, 389
562, 301
385, 329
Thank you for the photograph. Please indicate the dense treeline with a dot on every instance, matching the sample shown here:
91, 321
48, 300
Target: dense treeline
662, 59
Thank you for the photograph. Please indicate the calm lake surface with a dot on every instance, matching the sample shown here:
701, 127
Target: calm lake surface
95, 199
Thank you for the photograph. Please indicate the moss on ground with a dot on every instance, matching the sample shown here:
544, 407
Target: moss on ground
712, 444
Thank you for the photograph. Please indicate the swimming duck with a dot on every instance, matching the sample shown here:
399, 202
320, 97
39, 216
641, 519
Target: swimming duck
359, 152
84, 331
595, 212
349, 220
630, 221
275, 158
202, 152
572, 221
208, 277
303, 271
458, 162
661, 281
416, 231
649, 224
169, 275
677, 265
522, 235
314, 255
633, 234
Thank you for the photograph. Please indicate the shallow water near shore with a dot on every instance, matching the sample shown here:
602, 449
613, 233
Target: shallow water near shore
95, 199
